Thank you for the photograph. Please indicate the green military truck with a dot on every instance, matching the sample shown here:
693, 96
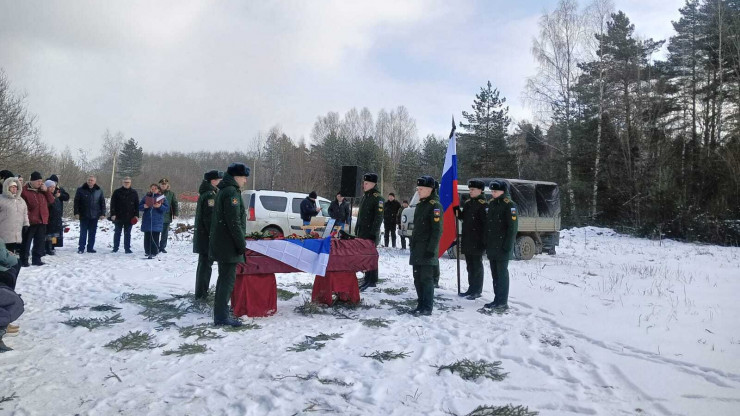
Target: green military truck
538, 205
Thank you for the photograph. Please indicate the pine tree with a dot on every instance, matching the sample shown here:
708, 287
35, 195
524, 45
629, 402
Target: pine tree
483, 151
130, 160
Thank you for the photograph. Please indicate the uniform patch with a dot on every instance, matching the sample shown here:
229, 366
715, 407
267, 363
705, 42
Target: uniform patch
437, 212
211, 202
513, 211
507, 200
513, 217
234, 201
380, 204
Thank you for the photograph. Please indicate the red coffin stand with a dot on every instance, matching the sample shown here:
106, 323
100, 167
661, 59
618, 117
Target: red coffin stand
255, 289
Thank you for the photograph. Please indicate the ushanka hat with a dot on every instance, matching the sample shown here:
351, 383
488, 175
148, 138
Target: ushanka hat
426, 181
213, 174
370, 177
238, 169
476, 184
498, 185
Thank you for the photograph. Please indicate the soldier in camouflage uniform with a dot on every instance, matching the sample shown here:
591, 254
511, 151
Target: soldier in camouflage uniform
501, 224
370, 217
425, 244
473, 238
201, 233
227, 245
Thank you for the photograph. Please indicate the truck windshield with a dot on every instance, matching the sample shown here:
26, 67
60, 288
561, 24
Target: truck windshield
414, 200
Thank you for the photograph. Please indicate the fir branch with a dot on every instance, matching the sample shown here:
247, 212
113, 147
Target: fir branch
70, 308
508, 410
315, 376
201, 332
472, 370
283, 294
376, 322
308, 308
387, 355
187, 349
92, 323
136, 341
243, 327
104, 308
395, 291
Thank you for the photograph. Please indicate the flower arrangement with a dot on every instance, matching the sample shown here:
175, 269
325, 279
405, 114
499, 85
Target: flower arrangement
294, 236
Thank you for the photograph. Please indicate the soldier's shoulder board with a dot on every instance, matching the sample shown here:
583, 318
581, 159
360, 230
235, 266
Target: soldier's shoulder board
507, 200
211, 202
376, 194
482, 201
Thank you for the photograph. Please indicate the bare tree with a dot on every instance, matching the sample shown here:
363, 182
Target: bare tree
112, 145
558, 51
599, 12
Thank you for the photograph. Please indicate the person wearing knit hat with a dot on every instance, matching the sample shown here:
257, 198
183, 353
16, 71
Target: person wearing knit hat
60, 195
226, 240
370, 217
501, 229
38, 198
309, 209
202, 230
124, 212
171, 214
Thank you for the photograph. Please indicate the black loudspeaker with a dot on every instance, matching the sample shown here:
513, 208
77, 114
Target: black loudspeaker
351, 182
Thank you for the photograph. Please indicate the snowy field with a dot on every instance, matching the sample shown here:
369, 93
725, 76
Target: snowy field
611, 325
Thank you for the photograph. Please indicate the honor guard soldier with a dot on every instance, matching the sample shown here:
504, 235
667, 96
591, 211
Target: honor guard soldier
473, 239
501, 223
425, 243
201, 235
370, 218
227, 245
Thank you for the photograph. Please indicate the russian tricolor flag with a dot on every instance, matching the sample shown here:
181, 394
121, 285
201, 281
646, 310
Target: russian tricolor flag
310, 255
448, 196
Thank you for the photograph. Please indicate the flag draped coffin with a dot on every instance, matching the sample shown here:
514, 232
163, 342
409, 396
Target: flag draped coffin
310, 255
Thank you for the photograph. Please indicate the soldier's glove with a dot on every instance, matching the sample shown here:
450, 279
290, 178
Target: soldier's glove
428, 254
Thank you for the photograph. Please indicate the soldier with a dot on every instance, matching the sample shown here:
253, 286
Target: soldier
435, 195
227, 245
369, 219
473, 239
392, 210
171, 214
203, 215
501, 224
425, 243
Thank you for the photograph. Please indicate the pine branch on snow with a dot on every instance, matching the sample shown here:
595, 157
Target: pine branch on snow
136, 341
376, 322
387, 355
472, 370
187, 349
92, 323
508, 410
203, 331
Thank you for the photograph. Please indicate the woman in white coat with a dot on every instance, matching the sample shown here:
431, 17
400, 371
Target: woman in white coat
13, 215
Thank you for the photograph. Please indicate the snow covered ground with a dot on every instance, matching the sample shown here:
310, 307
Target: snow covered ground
611, 325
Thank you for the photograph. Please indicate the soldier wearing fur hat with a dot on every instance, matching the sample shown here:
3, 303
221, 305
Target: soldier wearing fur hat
370, 217
425, 243
501, 224
226, 239
201, 235
473, 238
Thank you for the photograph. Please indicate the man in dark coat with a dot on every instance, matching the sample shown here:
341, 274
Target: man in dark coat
502, 226
89, 207
54, 228
473, 238
309, 210
226, 243
369, 219
171, 214
425, 243
390, 212
201, 233
339, 210
38, 198
124, 212
62, 196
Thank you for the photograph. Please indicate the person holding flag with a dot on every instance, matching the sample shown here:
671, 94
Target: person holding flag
428, 224
449, 199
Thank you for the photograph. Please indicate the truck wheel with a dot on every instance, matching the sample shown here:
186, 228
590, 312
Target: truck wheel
273, 231
524, 249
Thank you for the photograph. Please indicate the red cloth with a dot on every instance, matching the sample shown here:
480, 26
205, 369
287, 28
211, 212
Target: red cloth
344, 284
345, 256
254, 295
38, 204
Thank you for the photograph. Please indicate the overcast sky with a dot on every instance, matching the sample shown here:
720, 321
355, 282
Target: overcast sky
198, 75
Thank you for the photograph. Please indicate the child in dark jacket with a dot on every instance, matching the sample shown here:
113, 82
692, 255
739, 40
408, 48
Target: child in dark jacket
154, 206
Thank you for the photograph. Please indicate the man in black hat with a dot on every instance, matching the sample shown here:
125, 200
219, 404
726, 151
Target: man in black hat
473, 239
425, 243
392, 210
501, 225
202, 230
309, 209
226, 240
124, 207
369, 219
61, 195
